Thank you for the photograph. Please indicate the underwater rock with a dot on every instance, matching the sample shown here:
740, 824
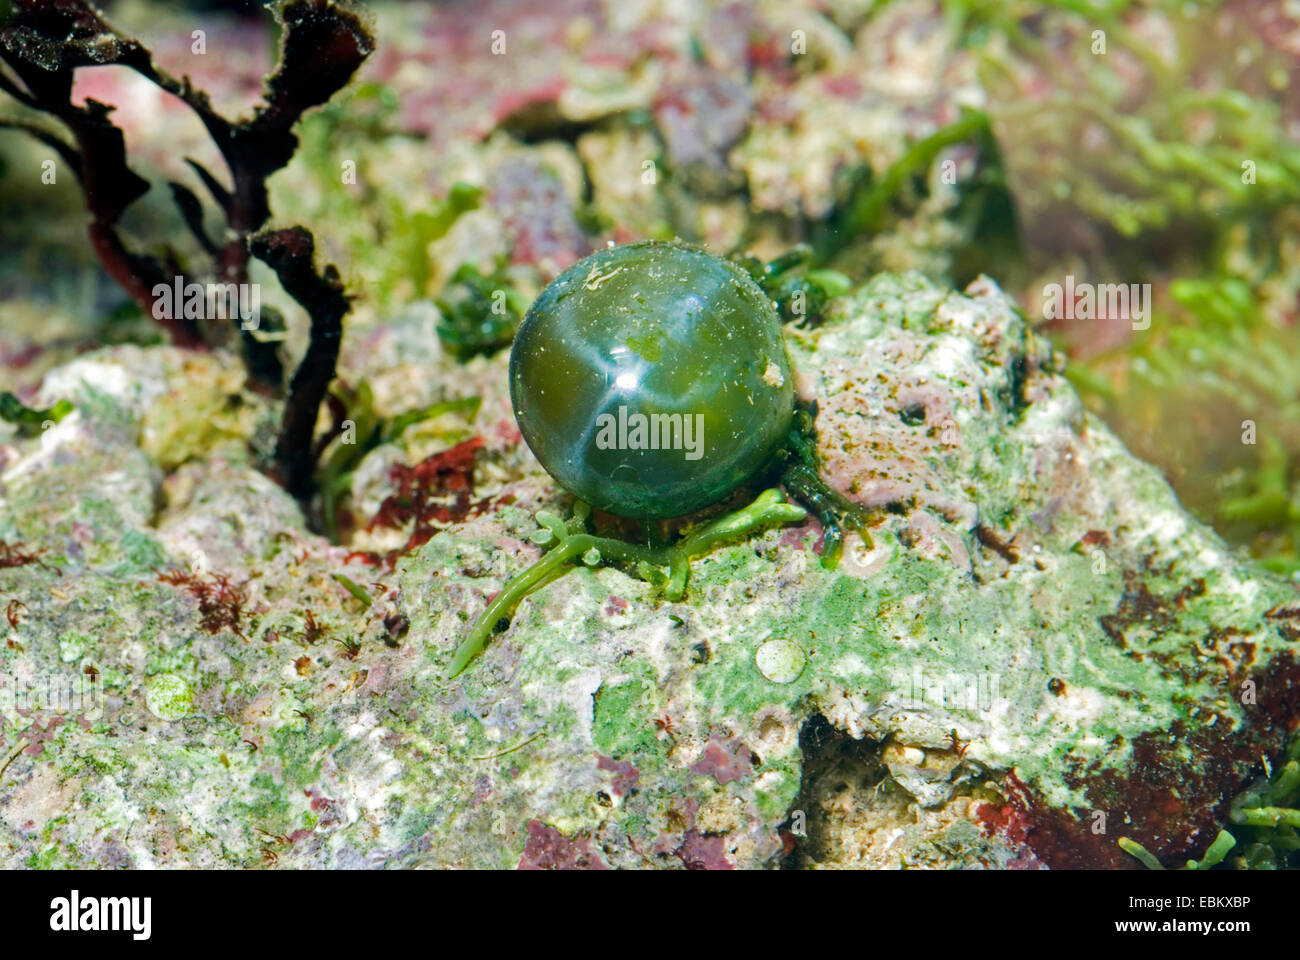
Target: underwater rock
1042, 651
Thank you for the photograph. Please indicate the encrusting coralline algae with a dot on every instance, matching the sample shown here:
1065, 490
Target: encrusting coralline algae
1040, 641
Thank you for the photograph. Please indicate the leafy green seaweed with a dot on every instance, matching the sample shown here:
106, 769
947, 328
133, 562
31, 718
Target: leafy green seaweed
31, 421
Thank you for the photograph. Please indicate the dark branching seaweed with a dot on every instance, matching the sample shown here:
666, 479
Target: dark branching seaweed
323, 43
291, 253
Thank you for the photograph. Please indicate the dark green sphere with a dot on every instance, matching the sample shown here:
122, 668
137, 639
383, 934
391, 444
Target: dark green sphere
652, 379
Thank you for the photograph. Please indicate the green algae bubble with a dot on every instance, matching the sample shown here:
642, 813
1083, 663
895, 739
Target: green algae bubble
168, 697
652, 379
780, 660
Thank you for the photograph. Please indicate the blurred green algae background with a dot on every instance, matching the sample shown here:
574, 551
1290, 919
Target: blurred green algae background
1113, 142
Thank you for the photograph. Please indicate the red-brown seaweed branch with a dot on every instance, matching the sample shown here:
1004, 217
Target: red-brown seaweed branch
291, 254
323, 43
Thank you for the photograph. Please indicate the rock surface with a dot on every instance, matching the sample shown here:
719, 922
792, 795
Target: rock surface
1040, 640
